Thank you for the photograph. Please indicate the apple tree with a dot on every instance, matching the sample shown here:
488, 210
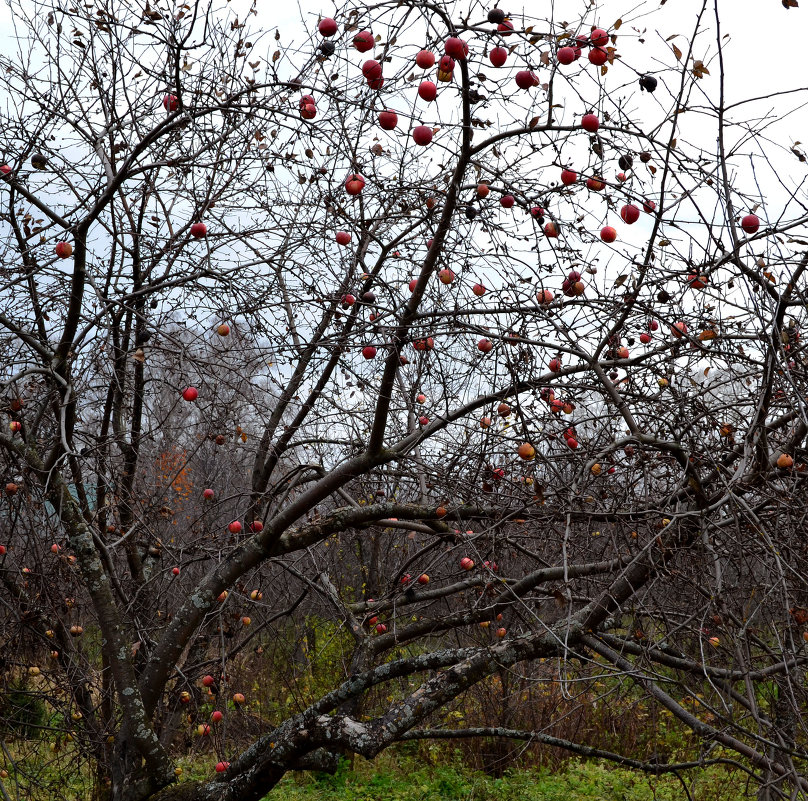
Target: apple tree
464, 342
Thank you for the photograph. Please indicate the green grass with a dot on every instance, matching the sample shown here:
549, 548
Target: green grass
578, 781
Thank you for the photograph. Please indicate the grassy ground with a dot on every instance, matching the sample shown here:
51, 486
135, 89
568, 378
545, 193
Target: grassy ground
577, 782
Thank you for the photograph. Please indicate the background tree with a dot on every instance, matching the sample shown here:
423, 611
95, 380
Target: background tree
300, 362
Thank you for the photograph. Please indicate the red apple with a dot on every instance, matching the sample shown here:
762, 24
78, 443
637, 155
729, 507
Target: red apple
572, 443
256, 525
217, 716
221, 767
190, 394
199, 230
446, 276
630, 214
54, 548
364, 41
501, 632
525, 79
5, 169
427, 91
621, 176
238, 698
425, 59
648, 206
505, 28
388, 120
566, 55
422, 135
381, 628
598, 56
234, 527
485, 345
171, 103
308, 111
599, 37
568, 177
64, 250
175, 571
544, 296
507, 201
750, 223
551, 230
679, 329
645, 338
223, 330
343, 238
653, 325
622, 352
208, 494
478, 290
455, 47
595, 184
2, 550
412, 284
697, 281
554, 365
423, 420
590, 122
423, 579
503, 410
498, 56
327, 27
354, 183
203, 729
372, 70
208, 681
466, 563
483, 190
423, 344
347, 301
608, 233
369, 352
420, 398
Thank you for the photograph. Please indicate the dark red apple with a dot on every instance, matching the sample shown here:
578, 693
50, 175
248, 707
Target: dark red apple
343, 238
478, 290
199, 230
364, 41
608, 233
507, 201
630, 214
327, 27
568, 177
598, 56
372, 70
599, 37
505, 28
551, 230
422, 135
566, 55
485, 345
190, 394
498, 56
369, 352
171, 103
750, 223
234, 527
590, 122
526, 79
388, 120
456, 48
